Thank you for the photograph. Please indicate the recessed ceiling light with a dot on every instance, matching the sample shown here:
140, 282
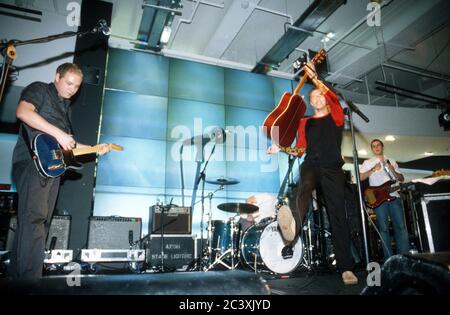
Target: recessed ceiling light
428, 153
389, 138
330, 35
362, 152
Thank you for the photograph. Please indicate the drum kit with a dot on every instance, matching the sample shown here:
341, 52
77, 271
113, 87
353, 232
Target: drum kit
258, 247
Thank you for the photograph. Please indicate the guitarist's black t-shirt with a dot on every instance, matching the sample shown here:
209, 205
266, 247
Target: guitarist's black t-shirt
324, 140
50, 106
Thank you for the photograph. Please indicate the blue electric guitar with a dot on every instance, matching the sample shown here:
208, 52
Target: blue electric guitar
52, 161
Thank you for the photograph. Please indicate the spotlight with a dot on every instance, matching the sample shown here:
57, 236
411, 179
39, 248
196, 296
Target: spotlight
444, 120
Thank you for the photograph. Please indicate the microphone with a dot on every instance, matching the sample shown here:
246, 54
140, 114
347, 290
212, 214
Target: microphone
102, 27
218, 135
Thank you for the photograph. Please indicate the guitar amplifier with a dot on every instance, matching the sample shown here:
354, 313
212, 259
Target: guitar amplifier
58, 235
113, 232
177, 220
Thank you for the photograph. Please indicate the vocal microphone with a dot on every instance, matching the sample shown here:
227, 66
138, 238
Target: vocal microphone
218, 135
102, 27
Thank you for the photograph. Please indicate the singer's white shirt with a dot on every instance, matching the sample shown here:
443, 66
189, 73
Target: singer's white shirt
379, 177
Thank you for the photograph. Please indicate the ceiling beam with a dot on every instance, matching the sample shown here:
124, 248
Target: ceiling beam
310, 20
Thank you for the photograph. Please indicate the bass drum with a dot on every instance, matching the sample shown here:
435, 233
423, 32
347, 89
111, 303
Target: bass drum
261, 247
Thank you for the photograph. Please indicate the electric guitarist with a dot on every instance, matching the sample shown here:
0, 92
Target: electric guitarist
42, 108
382, 172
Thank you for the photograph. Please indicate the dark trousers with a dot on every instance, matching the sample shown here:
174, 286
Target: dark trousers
332, 183
37, 198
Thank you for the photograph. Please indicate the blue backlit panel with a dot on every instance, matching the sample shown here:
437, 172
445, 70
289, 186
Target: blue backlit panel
249, 90
255, 169
215, 169
134, 115
141, 164
137, 72
196, 81
187, 118
245, 126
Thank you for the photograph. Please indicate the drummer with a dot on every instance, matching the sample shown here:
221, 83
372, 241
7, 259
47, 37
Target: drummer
267, 208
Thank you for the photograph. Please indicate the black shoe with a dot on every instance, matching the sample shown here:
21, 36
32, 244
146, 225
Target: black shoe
287, 252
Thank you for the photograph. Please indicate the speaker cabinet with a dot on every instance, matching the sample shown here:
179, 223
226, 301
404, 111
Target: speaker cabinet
179, 251
58, 235
113, 232
176, 220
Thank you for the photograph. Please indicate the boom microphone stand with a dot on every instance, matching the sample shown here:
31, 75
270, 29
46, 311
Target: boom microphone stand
10, 47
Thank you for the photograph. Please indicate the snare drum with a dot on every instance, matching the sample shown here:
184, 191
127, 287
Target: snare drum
261, 247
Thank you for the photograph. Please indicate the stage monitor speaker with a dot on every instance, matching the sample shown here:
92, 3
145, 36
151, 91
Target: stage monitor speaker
426, 274
177, 220
113, 232
58, 235
434, 220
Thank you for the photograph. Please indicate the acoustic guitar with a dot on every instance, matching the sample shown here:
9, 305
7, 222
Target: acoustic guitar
52, 161
286, 116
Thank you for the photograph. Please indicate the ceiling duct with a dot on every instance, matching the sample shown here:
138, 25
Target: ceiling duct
156, 15
306, 24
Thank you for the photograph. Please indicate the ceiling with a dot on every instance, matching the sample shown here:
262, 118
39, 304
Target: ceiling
379, 65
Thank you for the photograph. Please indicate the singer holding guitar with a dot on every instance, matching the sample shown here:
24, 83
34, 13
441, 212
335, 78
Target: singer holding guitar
320, 137
379, 170
42, 108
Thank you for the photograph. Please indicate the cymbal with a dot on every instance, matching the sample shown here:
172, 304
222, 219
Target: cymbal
238, 207
223, 181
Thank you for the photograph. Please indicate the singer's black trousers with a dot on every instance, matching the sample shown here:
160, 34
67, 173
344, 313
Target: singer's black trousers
36, 202
332, 183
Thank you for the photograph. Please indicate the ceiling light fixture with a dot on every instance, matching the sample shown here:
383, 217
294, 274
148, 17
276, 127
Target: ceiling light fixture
389, 138
428, 153
165, 35
362, 152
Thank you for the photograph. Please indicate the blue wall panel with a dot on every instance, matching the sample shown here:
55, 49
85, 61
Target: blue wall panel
196, 81
137, 72
134, 115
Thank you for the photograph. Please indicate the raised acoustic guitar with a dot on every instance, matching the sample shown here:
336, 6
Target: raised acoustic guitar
52, 161
288, 112
374, 196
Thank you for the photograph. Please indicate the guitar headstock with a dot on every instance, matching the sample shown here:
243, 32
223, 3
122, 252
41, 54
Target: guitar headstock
115, 147
319, 57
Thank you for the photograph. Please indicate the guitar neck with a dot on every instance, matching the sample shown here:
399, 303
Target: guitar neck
86, 150
300, 84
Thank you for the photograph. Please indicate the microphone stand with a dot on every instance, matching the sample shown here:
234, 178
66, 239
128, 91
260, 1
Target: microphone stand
352, 108
10, 50
202, 178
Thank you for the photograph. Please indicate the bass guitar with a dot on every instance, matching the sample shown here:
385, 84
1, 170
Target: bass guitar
52, 161
374, 196
286, 116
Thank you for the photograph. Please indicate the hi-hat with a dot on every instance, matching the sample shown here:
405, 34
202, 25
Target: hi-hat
238, 207
223, 181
